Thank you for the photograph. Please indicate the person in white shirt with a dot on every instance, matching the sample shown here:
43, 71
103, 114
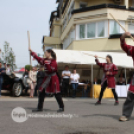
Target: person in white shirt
65, 83
8, 70
74, 82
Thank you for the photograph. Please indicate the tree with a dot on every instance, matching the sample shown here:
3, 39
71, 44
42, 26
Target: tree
8, 56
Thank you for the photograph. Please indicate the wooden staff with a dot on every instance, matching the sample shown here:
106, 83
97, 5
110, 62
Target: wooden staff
121, 26
94, 55
28, 35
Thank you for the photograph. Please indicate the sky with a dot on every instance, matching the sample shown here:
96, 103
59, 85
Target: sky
19, 16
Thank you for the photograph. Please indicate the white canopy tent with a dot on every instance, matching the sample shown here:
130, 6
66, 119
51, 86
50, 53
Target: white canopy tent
85, 58
81, 57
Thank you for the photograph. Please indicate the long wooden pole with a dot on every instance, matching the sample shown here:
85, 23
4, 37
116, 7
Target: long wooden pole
29, 46
121, 25
94, 55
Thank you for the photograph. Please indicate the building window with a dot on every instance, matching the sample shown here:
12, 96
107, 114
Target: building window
101, 29
91, 28
82, 31
69, 39
83, 4
131, 27
115, 28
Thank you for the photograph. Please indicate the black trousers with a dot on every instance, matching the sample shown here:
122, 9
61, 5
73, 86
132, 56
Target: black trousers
42, 96
35, 90
65, 87
128, 105
104, 86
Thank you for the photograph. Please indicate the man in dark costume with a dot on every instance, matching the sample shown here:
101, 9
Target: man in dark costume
129, 103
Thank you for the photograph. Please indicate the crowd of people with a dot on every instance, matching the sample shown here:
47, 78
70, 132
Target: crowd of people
34, 77
69, 81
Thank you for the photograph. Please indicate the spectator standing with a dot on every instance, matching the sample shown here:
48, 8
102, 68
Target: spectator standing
95, 81
86, 89
32, 81
26, 79
65, 83
2, 71
121, 80
74, 82
8, 70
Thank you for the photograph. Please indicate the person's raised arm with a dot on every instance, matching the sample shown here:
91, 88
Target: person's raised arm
127, 48
97, 61
39, 59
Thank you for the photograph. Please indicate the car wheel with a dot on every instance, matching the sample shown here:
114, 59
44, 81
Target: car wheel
17, 89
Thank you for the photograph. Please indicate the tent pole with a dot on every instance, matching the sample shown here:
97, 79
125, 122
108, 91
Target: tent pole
92, 78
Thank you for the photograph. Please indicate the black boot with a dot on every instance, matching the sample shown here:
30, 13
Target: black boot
39, 108
98, 103
60, 110
116, 103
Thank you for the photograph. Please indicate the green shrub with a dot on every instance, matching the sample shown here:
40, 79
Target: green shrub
28, 67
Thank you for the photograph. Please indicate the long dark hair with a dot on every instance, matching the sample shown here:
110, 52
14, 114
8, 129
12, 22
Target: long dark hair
53, 54
110, 57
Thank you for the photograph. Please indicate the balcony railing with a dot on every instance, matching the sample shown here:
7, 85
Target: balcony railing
98, 7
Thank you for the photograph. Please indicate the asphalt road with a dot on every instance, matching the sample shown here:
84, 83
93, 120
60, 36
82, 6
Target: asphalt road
81, 116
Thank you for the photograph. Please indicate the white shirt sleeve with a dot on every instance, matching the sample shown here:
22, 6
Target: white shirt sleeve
78, 76
71, 76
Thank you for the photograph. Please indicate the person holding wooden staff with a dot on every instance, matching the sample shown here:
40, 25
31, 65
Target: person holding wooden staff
110, 70
129, 103
50, 84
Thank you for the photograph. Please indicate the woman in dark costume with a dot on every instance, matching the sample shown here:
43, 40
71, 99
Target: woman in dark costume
110, 70
50, 84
